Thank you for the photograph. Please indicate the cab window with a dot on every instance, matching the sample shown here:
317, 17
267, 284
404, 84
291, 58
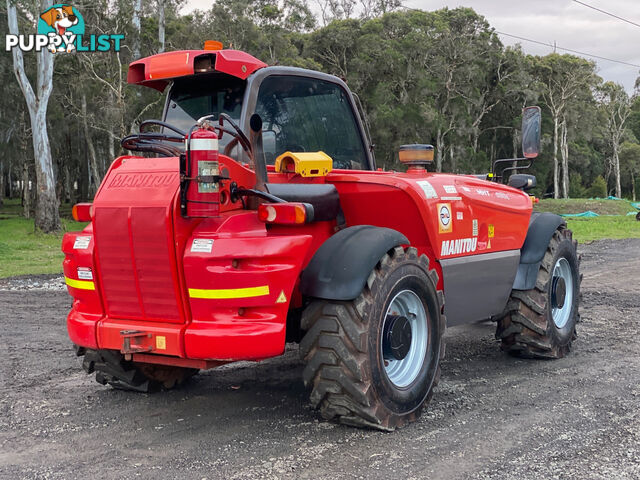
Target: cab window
302, 114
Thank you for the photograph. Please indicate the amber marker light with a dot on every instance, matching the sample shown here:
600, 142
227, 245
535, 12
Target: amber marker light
213, 45
81, 212
415, 155
283, 213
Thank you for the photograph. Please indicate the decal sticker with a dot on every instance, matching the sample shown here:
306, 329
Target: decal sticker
489, 244
202, 245
475, 227
445, 225
502, 195
205, 169
492, 231
428, 189
161, 342
450, 188
282, 298
458, 246
85, 273
482, 192
459, 215
81, 243
466, 189
451, 199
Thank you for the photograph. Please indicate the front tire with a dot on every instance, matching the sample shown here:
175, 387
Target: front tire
374, 361
541, 322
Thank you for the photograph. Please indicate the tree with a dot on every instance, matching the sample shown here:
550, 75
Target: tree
630, 164
135, 20
616, 105
161, 25
47, 217
561, 78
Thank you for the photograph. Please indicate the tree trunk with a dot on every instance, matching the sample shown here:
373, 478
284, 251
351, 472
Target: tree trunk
26, 194
47, 217
439, 148
10, 180
564, 151
556, 186
2, 189
452, 159
94, 173
633, 186
161, 24
135, 20
616, 168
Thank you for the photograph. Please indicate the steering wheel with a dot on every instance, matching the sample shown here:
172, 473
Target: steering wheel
155, 142
237, 133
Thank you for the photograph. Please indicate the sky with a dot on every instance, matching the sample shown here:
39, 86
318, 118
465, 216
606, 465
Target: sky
567, 23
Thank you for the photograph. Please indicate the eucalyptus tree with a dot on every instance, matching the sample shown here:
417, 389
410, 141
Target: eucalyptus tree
561, 78
37, 96
616, 106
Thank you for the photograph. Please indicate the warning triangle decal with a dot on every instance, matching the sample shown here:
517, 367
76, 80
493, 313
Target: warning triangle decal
282, 298
489, 244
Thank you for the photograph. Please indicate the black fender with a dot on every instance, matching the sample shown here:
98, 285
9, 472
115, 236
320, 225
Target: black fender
342, 264
541, 228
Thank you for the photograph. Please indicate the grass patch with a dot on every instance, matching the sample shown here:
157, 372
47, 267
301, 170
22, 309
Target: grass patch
25, 252
579, 205
599, 228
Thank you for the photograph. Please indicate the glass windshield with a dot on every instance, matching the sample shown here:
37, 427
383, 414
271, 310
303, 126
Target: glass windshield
212, 94
307, 115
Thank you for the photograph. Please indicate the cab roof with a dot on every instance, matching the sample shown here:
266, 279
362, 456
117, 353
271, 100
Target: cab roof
157, 71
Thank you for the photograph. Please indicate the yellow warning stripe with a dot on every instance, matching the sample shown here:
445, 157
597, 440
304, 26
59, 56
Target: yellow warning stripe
229, 292
80, 284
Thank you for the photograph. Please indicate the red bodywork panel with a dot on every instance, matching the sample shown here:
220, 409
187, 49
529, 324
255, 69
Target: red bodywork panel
219, 289
158, 70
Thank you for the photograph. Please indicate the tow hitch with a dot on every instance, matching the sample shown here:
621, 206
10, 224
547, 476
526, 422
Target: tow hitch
135, 341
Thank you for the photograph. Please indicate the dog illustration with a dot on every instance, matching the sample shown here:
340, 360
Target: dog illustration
60, 18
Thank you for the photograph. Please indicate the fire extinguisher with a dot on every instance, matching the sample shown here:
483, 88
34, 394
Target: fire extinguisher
201, 181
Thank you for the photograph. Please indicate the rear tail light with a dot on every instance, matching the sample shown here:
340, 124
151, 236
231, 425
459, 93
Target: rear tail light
81, 212
285, 213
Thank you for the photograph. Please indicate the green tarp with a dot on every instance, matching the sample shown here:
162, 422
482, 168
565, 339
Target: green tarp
587, 214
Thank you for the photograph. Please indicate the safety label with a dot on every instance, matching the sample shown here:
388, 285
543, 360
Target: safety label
202, 245
85, 273
445, 225
81, 243
428, 189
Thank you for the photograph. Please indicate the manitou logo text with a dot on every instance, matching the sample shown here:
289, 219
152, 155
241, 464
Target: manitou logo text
458, 246
61, 29
125, 180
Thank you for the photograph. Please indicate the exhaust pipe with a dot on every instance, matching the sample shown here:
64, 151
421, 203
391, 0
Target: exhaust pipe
259, 160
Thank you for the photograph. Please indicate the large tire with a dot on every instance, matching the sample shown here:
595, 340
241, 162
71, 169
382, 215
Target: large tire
350, 373
534, 326
111, 368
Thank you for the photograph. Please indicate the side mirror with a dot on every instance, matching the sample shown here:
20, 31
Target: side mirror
531, 119
269, 143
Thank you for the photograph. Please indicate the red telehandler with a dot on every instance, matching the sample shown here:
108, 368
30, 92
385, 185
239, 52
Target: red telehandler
255, 215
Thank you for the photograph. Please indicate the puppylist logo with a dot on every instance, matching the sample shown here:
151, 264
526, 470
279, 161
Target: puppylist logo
61, 29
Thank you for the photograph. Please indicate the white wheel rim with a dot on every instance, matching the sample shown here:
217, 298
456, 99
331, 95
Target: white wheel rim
403, 372
562, 269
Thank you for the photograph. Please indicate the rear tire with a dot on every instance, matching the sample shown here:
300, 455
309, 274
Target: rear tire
541, 322
357, 374
111, 368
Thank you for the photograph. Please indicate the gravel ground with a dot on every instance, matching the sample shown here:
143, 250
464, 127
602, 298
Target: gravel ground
492, 416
